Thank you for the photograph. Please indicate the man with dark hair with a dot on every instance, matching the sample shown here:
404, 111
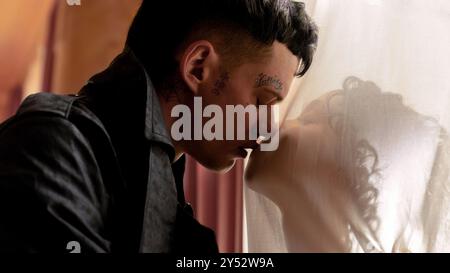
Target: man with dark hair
100, 172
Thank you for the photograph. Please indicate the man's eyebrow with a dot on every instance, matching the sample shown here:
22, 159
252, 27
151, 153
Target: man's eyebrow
266, 80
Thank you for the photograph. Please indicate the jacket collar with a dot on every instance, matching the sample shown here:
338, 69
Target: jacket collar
155, 127
128, 76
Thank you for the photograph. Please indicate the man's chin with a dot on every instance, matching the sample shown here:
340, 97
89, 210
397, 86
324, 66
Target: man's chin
222, 166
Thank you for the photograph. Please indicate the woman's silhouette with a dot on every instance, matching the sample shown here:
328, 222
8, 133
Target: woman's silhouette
339, 167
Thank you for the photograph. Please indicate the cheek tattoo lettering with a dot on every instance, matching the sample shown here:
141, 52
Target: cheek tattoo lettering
266, 80
220, 84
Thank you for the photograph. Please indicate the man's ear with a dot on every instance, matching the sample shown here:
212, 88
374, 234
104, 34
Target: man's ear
197, 63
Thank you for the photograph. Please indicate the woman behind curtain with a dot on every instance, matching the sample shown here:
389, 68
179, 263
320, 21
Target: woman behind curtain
364, 168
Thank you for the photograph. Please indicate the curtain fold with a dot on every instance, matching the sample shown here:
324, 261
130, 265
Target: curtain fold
217, 202
363, 163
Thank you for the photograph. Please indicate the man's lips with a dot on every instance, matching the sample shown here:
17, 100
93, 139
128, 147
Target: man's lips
242, 151
251, 146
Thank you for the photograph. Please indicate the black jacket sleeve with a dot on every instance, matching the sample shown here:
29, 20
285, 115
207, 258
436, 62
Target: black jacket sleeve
52, 197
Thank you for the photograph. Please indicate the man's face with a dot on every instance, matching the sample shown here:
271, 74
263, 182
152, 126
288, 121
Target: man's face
264, 82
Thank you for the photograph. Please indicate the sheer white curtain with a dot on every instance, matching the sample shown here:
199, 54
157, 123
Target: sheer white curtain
364, 162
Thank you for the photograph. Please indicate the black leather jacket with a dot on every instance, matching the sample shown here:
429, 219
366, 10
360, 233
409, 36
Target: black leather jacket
95, 169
